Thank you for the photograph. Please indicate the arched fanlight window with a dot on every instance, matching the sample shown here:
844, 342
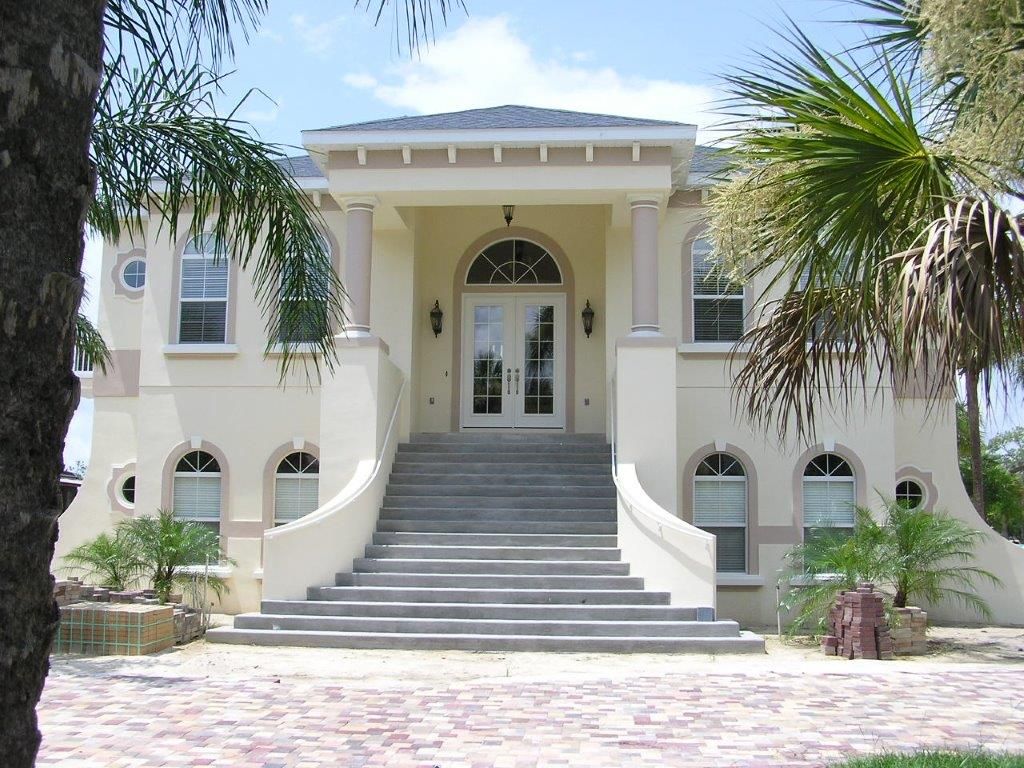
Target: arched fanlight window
717, 298
829, 495
197, 489
514, 262
296, 487
203, 297
720, 507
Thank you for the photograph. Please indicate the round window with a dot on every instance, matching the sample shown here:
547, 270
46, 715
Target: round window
910, 494
128, 489
134, 274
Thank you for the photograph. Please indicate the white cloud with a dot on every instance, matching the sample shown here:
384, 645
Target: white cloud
317, 37
486, 63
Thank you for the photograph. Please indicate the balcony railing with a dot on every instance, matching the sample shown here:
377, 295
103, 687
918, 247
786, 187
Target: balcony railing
81, 364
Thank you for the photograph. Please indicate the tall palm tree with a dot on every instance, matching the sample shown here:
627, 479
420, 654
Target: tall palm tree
868, 190
99, 99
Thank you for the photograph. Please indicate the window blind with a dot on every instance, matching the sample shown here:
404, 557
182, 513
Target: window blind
197, 498
295, 497
720, 508
828, 503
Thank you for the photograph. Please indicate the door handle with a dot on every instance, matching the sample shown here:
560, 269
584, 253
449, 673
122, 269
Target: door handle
517, 381
508, 379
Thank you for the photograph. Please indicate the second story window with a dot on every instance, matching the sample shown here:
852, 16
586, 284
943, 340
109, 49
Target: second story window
717, 299
203, 311
305, 315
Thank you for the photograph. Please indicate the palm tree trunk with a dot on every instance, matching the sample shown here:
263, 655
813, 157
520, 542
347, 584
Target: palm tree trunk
974, 435
50, 58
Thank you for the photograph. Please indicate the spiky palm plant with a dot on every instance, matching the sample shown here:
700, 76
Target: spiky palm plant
107, 561
868, 191
165, 546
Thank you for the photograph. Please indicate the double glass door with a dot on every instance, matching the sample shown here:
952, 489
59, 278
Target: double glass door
513, 370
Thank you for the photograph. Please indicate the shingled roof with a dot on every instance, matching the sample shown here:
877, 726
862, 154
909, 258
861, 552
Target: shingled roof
708, 160
507, 116
300, 167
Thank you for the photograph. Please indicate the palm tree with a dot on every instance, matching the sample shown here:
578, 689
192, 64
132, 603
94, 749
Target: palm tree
107, 561
867, 189
165, 547
912, 554
103, 97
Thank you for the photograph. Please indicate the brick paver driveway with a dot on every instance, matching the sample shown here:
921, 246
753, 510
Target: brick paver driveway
601, 712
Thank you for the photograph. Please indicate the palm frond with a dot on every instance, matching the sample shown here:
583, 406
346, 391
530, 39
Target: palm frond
158, 144
413, 20
897, 28
90, 344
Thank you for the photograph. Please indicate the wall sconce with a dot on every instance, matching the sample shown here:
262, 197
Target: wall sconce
508, 210
588, 319
435, 318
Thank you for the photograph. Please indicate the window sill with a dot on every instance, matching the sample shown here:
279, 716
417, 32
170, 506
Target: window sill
297, 349
200, 350
712, 349
807, 581
223, 571
739, 580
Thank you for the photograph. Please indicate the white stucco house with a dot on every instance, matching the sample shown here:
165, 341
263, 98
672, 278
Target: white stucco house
529, 440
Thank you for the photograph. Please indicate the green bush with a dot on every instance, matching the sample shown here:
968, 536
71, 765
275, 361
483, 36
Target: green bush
937, 760
911, 555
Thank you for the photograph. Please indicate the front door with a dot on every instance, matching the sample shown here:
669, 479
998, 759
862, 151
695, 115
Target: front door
513, 362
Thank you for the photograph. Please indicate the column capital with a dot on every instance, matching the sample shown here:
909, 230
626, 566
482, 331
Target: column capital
363, 203
645, 200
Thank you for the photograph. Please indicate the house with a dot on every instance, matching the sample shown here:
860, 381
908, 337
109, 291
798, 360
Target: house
529, 307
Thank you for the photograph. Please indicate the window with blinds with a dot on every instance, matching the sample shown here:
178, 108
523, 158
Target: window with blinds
717, 299
720, 507
296, 487
304, 311
829, 495
203, 296
197, 489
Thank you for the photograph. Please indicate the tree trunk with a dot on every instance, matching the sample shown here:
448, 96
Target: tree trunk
50, 58
974, 434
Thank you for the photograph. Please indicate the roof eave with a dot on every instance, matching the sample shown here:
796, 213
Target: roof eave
657, 135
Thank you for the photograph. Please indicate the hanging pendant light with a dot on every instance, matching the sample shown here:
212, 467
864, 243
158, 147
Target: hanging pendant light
508, 210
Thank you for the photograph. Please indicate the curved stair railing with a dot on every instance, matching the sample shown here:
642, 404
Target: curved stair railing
311, 550
670, 554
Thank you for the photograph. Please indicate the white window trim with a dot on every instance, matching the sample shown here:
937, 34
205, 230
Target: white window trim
120, 489
851, 479
220, 487
921, 486
292, 476
124, 268
518, 286
200, 350
182, 300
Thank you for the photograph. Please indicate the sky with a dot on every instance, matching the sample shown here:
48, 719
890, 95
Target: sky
318, 63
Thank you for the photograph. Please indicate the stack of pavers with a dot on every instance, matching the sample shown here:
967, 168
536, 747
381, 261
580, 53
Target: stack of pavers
857, 626
909, 638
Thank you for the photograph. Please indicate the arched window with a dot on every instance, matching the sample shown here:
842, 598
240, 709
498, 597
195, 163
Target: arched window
910, 494
514, 262
296, 487
829, 495
197, 489
203, 297
720, 507
717, 299
304, 313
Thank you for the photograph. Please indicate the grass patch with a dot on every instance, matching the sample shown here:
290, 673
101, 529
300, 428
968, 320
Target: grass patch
937, 760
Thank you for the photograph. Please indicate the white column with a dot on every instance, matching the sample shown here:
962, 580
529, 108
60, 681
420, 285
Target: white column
358, 262
644, 211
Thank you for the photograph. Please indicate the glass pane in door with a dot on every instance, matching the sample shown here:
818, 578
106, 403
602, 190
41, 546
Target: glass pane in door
488, 358
539, 359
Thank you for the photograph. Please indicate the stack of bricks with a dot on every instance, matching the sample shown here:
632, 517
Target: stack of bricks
106, 628
909, 638
857, 626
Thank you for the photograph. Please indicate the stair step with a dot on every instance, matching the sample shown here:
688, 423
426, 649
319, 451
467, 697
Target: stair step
487, 581
745, 643
492, 611
532, 437
535, 553
495, 594
548, 481
498, 503
498, 469
494, 525
449, 626
498, 513
531, 540
501, 453
449, 491
489, 567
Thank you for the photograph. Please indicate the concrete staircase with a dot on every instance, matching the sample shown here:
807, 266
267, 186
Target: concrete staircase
493, 542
